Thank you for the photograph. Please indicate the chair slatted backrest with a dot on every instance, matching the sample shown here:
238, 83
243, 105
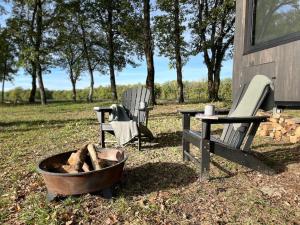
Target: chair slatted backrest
131, 100
247, 103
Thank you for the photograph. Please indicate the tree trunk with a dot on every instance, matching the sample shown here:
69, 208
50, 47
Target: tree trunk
180, 94
91, 92
74, 93
3, 84
178, 53
111, 55
33, 63
150, 84
39, 24
89, 64
213, 85
33, 85
113, 82
210, 85
217, 82
41, 85
73, 81
148, 49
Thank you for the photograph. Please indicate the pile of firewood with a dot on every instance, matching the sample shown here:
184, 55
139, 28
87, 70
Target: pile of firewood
280, 127
87, 159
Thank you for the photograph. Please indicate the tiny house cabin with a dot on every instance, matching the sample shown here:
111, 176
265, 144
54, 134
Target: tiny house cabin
267, 41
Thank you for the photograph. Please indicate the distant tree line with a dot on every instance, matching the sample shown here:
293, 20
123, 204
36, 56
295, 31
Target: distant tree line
88, 36
194, 91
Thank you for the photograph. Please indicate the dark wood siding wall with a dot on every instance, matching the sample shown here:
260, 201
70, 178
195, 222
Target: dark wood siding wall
280, 63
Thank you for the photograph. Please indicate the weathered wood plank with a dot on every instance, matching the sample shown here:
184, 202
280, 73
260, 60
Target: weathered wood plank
137, 101
280, 62
192, 137
133, 101
143, 99
189, 157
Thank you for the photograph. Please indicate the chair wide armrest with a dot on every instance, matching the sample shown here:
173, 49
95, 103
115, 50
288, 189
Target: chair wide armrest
228, 120
194, 112
146, 109
102, 109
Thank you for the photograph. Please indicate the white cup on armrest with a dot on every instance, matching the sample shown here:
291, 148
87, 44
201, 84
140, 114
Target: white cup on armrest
209, 110
142, 105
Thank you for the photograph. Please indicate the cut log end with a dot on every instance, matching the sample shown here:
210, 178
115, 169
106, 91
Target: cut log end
86, 167
281, 127
77, 159
69, 169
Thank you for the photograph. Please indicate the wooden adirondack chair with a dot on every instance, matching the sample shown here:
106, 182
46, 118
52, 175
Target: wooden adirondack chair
131, 101
240, 128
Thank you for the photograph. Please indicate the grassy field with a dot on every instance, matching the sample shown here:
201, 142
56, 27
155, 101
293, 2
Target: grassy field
159, 188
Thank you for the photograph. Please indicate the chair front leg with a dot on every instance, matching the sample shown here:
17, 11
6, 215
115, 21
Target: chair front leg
102, 133
147, 115
139, 132
205, 151
139, 141
186, 124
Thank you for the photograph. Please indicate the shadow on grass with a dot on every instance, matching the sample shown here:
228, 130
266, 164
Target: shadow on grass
267, 144
280, 158
163, 140
277, 159
158, 176
40, 124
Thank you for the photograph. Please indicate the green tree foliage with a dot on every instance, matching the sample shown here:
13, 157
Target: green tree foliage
169, 30
31, 23
7, 59
114, 20
21, 25
68, 50
92, 53
212, 26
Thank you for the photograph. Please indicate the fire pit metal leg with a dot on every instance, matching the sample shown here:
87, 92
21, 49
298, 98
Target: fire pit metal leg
107, 193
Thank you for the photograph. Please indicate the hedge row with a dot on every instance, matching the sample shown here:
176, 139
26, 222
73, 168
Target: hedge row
193, 91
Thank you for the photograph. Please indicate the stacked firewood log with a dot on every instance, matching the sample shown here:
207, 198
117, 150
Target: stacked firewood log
87, 159
280, 127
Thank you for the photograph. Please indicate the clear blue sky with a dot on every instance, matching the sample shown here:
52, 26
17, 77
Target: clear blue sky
194, 70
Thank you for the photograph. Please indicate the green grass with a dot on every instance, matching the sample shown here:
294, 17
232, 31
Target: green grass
159, 188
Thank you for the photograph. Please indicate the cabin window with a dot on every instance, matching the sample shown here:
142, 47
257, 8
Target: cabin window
271, 23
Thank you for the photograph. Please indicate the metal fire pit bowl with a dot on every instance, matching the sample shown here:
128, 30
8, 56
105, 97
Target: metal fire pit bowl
64, 184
